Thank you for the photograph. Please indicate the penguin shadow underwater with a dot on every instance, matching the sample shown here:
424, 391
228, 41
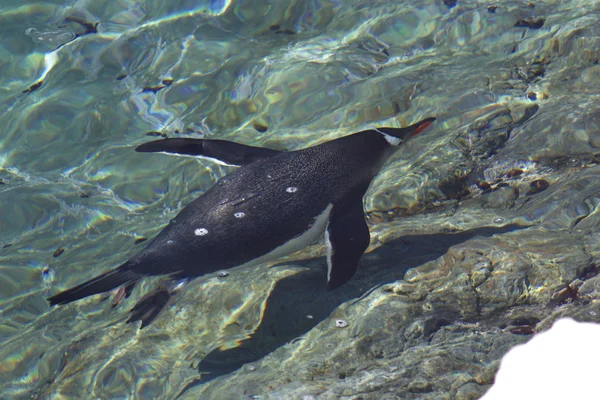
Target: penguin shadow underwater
298, 296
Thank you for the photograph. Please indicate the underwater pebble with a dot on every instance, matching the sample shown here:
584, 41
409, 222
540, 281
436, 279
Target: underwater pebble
48, 275
566, 295
260, 128
58, 252
340, 323
538, 186
251, 368
223, 274
309, 397
522, 330
239, 215
498, 220
514, 172
483, 185
291, 189
33, 87
153, 89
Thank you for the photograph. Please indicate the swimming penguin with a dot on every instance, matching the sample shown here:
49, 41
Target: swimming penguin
276, 203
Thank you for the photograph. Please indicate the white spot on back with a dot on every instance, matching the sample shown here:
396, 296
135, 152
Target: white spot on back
292, 189
201, 232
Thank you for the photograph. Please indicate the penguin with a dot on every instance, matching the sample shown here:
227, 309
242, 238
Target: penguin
274, 204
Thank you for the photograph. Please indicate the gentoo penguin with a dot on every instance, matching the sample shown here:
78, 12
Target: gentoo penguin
276, 203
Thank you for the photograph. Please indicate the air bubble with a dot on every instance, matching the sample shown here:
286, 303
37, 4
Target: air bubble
292, 189
340, 323
201, 232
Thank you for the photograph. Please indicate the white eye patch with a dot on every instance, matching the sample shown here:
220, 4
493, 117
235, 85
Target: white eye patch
394, 141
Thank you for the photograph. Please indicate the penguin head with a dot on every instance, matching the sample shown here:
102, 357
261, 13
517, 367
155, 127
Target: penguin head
396, 136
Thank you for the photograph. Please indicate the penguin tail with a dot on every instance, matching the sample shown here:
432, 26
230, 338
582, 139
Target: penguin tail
102, 283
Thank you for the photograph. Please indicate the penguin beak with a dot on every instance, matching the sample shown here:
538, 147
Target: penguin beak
420, 126
395, 136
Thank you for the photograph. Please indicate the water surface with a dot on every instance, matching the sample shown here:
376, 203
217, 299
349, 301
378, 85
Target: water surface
490, 214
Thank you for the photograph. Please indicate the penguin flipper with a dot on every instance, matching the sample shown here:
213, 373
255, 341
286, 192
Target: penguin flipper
347, 238
223, 151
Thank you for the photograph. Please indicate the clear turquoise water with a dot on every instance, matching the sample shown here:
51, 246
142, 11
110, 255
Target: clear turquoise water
307, 71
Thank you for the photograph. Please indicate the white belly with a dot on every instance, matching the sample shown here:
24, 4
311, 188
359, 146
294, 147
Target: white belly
297, 243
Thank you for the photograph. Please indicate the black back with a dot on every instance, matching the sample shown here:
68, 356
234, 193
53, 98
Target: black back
262, 205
